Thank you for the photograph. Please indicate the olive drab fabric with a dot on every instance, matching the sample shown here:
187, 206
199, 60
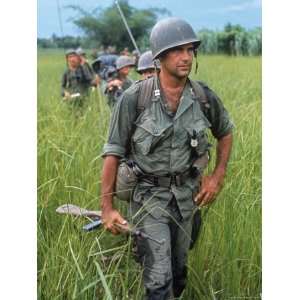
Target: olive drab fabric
76, 81
161, 143
114, 96
126, 181
164, 265
127, 178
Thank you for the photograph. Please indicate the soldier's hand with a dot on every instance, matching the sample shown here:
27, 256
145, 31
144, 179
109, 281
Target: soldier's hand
114, 83
97, 79
110, 217
82, 61
210, 187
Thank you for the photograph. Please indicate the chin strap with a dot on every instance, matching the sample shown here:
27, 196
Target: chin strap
156, 79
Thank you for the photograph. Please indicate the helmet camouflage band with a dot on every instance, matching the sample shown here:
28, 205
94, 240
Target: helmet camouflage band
124, 61
169, 33
146, 62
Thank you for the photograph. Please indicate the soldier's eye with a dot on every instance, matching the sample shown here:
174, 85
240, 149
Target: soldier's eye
190, 50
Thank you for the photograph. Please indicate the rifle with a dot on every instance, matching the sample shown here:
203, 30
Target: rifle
75, 210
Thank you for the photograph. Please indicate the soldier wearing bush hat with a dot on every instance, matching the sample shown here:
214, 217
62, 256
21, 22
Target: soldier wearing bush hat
160, 125
115, 86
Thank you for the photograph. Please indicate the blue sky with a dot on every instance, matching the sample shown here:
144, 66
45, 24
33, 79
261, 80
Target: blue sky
212, 14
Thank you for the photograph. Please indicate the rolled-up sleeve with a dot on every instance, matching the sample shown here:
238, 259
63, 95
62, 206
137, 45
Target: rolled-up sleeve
221, 123
122, 124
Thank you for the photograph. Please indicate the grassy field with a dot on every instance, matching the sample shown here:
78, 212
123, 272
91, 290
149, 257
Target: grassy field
226, 262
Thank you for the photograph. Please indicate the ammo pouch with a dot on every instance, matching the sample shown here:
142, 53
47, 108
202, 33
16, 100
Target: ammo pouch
128, 172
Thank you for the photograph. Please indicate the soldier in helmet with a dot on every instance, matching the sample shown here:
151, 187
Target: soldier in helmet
119, 81
76, 81
146, 65
161, 125
136, 56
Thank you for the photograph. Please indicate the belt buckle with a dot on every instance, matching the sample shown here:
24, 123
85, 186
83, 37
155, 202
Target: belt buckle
175, 179
155, 181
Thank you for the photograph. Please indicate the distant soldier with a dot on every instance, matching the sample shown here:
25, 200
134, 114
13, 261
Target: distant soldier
146, 65
125, 52
119, 82
76, 81
136, 56
104, 65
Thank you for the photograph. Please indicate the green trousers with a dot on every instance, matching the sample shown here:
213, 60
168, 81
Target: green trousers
164, 265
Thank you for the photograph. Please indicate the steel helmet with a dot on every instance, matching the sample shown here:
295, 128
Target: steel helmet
71, 51
80, 51
145, 62
124, 61
169, 33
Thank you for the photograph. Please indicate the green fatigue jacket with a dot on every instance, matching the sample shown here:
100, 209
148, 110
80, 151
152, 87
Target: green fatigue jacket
77, 81
160, 143
114, 96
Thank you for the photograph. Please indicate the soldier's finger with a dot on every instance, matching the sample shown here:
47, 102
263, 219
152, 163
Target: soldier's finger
111, 228
199, 198
114, 231
121, 220
201, 194
208, 199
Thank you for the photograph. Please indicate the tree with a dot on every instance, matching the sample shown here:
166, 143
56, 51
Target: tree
105, 27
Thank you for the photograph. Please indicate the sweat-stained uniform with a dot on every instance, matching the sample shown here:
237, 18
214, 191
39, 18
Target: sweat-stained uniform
159, 141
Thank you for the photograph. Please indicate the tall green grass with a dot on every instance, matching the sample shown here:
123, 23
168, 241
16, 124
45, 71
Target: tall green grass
226, 262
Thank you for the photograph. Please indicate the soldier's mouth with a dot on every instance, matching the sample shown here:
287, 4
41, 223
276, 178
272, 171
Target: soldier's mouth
184, 66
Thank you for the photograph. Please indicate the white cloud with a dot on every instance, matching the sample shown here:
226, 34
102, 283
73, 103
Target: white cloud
243, 6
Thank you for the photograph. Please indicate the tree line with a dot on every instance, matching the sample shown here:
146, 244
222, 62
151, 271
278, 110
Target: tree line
102, 28
233, 40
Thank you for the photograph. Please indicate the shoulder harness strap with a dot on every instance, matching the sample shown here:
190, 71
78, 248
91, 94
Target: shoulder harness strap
198, 88
145, 94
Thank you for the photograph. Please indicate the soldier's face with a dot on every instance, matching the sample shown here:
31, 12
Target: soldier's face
148, 73
124, 71
178, 61
73, 60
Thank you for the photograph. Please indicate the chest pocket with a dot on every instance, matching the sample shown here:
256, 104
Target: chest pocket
148, 134
197, 131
